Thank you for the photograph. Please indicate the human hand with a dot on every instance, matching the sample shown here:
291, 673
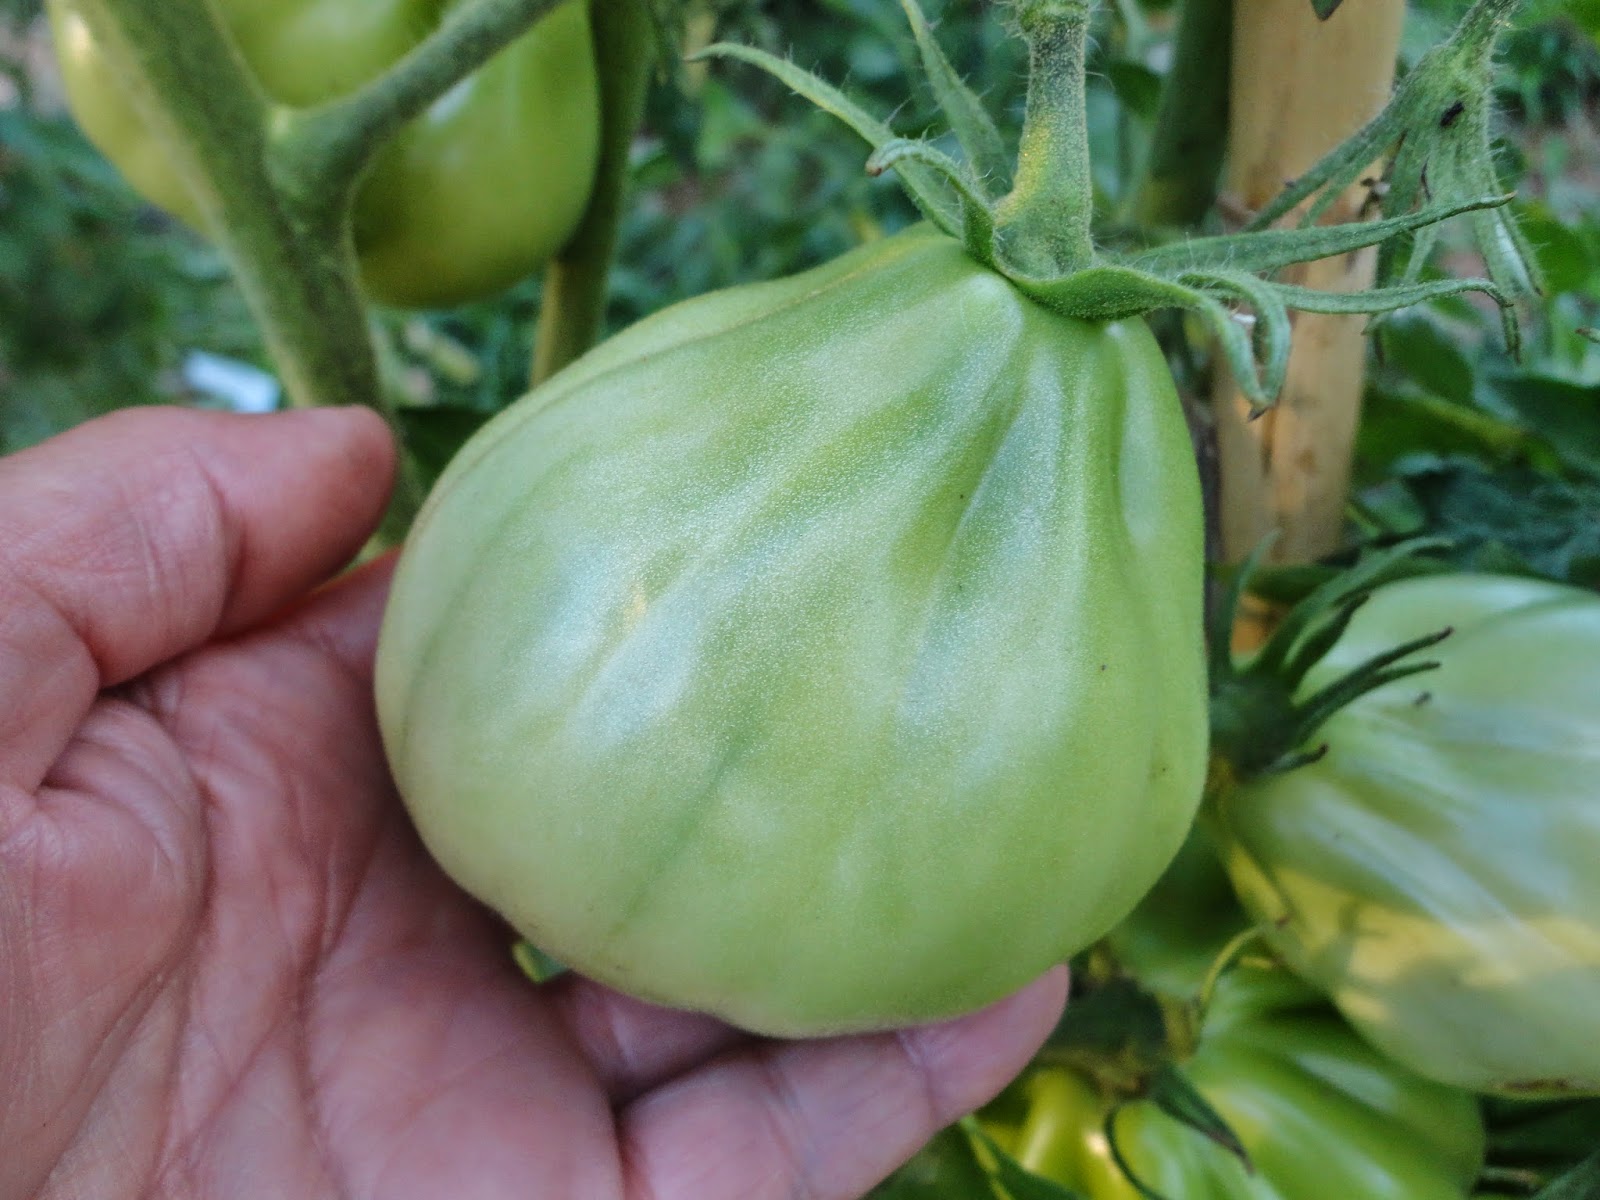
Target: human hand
228, 968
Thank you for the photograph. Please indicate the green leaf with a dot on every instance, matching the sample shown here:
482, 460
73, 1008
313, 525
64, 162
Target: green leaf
1580, 1183
974, 129
1019, 1182
1325, 8
1272, 330
1110, 292
433, 435
923, 186
1258, 726
977, 218
947, 1168
1392, 299
1270, 249
1438, 124
1173, 1094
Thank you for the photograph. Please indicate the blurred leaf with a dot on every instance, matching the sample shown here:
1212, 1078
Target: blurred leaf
99, 298
1399, 425
1136, 85
1325, 8
433, 435
45, 404
1566, 413
1116, 1020
1568, 253
963, 1162
1419, 346
1580, 1183
1018, 1182
533, 962
946, 1169
1541, 1134
1173, 1094
1510, 519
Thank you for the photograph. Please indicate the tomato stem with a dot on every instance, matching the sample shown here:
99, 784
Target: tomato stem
1044, 222
1179, 181
275, 185
320, 152
189, 81
572, 309
1261, 724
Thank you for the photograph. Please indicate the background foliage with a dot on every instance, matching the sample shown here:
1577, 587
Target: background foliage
101, 299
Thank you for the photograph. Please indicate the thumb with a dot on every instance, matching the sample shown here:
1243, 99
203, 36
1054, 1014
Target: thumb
140, 535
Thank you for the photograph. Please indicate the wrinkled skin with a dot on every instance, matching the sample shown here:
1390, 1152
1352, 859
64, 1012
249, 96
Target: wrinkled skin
227, 968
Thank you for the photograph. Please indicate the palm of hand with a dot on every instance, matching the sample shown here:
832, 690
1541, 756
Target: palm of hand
229, 967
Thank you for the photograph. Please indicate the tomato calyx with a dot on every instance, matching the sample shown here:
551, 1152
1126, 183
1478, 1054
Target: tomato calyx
1121, 1044
1436, 135
1260, 724
1120, 1033
1036, 232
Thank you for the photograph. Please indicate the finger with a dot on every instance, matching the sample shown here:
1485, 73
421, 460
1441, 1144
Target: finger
633, 1046
343, 619
828, 1119
139, 535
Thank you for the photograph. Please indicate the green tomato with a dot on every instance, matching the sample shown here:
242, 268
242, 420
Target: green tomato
1436, 872
473, 195
824, 654
1321, 1114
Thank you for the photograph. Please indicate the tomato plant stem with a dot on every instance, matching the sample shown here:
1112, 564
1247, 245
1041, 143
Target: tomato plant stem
1045, 220
298, 278
274, 185
1179, 184
573, 305
322, 150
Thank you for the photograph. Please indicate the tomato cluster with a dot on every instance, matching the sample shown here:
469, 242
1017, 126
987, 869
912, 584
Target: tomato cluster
470, 197
1319, 1113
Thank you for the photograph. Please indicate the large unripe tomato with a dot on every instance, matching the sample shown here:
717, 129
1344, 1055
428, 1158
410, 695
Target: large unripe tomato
824, 654
473, 195
1322, 1115
1437, 873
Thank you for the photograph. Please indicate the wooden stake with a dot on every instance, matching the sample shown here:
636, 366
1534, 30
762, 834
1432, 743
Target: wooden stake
1300, 86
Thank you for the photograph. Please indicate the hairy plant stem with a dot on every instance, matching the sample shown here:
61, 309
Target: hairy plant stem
275, 185
572, 308
1044, 221
293, 263
1179, 183
324, 149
